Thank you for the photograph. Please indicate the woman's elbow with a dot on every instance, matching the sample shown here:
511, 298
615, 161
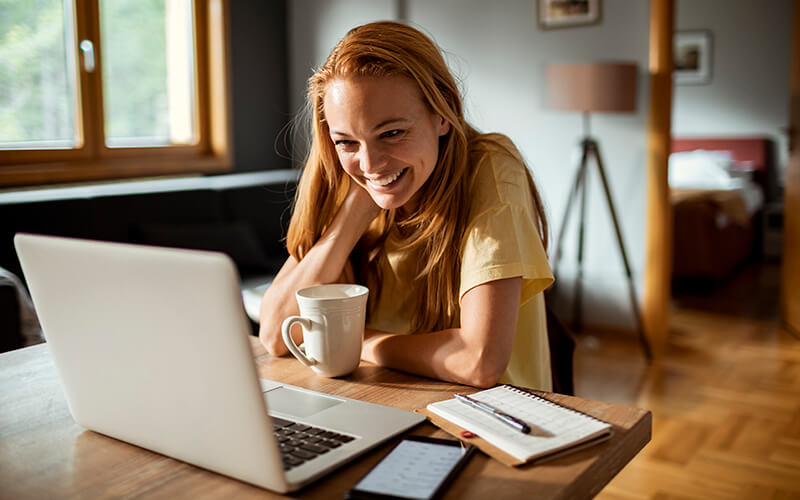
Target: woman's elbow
269, 328
487, 371
272, 341
485, 380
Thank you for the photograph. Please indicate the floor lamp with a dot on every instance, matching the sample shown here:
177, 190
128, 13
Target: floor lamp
593, 88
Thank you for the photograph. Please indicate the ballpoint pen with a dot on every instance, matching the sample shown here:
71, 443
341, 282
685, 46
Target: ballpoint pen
503, 417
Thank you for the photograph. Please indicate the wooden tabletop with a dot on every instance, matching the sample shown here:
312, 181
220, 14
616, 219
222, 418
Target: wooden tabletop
44, 454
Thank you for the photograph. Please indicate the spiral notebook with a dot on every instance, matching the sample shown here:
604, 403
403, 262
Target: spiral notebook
555, 429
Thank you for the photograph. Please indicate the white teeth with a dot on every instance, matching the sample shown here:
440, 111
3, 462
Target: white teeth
386, 180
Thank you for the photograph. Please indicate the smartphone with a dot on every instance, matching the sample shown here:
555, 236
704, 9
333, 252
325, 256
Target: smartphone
417, 468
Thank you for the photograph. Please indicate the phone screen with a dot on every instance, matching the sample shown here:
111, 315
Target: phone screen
417, 468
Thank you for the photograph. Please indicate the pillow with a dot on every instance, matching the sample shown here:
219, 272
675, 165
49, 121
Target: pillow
702, 170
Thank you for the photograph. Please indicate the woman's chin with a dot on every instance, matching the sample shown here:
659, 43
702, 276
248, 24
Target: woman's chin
386, 204
395, 200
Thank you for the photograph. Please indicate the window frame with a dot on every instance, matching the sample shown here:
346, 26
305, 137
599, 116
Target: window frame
93, 160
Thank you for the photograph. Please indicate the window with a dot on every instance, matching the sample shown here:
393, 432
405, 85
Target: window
98, 89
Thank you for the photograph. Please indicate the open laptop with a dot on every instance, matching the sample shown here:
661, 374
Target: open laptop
151, 346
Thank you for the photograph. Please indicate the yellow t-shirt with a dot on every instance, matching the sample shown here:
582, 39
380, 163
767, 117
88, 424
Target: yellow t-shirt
501, 241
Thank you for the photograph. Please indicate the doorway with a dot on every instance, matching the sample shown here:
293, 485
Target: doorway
721, 119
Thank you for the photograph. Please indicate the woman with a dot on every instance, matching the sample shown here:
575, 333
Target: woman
442, 223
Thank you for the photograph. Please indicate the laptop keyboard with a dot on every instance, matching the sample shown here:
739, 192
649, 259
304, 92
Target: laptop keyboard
300, 443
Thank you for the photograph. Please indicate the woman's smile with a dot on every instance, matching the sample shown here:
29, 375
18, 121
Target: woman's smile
386, 182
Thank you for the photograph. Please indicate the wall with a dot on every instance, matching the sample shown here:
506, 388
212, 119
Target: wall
259, 87
749, 89
499, 53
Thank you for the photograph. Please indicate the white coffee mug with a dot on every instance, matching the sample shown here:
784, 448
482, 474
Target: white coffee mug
332, 317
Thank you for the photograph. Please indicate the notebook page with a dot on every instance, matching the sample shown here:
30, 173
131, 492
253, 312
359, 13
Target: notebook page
561, 427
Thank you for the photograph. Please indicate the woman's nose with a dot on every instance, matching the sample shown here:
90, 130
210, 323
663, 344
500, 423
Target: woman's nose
372, 159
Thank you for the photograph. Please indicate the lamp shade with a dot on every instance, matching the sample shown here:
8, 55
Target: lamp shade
596, 87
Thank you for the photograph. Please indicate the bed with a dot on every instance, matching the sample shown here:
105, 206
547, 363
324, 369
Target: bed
717, 189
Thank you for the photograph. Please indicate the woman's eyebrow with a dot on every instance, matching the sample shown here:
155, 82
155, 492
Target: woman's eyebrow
390, 121
384, 123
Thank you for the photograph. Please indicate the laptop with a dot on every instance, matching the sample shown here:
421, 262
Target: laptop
151, 347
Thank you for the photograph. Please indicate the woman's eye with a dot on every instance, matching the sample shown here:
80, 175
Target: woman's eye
392, 133
343, 143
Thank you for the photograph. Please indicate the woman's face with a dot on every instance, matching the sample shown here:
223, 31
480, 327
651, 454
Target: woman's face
386, 137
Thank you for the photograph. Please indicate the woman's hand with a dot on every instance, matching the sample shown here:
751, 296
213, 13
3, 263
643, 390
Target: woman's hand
361, 204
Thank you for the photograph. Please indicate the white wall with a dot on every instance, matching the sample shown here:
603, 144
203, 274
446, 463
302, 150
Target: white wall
499, 53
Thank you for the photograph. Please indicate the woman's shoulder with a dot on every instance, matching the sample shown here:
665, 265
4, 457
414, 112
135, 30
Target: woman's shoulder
496, 161
493, 144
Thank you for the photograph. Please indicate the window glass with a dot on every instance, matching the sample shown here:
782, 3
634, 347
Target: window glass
148, 72
37, 75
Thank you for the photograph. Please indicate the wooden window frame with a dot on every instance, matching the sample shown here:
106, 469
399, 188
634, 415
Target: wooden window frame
93, 160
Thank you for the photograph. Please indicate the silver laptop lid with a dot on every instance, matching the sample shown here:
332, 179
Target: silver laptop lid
151, 348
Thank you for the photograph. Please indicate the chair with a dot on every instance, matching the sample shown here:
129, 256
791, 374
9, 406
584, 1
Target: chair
562, 349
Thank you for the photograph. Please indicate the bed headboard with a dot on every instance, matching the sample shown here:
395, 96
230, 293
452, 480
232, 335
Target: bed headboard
750, 152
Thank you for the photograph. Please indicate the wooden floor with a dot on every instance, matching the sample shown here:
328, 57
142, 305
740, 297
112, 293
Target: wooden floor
725, 396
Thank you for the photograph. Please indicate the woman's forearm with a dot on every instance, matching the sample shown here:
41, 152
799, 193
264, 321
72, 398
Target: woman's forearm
443, 355
475, 354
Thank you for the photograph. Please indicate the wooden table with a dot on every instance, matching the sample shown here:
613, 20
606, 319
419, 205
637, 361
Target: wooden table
44, 454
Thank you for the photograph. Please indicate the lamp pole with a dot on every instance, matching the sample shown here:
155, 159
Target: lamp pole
591, 151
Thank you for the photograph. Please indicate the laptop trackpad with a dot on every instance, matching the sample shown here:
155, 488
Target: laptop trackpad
297, 403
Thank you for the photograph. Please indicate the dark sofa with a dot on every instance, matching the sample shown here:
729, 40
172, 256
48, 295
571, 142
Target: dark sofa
244, 215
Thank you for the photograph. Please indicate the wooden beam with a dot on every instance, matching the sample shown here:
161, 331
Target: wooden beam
790, 274
219, 79
658, 257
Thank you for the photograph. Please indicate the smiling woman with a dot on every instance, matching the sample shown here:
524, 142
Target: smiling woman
442, 223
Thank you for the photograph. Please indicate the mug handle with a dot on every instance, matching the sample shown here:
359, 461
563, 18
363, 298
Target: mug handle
286, 328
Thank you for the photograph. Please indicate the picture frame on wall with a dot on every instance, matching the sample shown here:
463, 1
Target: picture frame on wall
567, 13
692, 57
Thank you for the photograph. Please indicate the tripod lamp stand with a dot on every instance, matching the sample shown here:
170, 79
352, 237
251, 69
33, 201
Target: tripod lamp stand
593, 88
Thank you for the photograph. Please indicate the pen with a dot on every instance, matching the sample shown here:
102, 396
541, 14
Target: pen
503, 417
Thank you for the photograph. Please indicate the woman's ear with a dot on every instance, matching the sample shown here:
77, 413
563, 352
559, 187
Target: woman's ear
443, 125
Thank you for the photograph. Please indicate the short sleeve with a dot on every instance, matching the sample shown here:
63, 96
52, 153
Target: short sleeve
502, 238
